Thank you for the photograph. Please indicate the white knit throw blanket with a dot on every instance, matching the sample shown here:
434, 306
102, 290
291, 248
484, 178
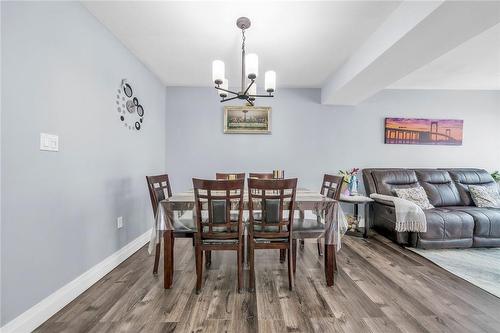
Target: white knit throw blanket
409, 216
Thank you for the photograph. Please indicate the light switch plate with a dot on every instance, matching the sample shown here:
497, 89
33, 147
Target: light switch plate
49, 142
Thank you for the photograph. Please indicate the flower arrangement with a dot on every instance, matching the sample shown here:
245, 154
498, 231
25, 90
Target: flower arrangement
350, 184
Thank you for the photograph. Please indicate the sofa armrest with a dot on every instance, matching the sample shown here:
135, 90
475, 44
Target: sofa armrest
383, 202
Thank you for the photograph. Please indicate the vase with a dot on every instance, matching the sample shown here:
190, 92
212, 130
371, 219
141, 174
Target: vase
353, 185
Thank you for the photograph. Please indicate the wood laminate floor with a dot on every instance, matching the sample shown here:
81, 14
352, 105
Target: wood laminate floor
380, 287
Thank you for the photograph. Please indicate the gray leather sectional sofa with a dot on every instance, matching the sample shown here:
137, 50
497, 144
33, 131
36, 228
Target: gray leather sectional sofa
455, 222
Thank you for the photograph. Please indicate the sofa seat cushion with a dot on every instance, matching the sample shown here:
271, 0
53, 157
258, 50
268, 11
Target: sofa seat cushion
446, 224
486, 224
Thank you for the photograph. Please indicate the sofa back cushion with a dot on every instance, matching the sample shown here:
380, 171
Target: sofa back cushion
440, 188
388, 180
465, 177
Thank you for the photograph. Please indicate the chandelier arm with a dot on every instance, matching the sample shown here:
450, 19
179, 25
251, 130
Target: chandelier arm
229, 91
250, 102
228, 99
260, 95
251, 83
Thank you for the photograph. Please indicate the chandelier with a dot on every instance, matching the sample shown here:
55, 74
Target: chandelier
249, 69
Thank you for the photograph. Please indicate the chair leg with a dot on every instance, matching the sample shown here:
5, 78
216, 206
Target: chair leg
157, 258
320, 247
244, 241
240, 266
282, 255
302, 243
290, 268
251, 253
208, 259
199, 267
294, 255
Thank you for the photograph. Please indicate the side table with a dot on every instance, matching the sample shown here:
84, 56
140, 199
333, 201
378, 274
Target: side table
357, 200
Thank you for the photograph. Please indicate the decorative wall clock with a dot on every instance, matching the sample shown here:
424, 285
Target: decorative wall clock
131, 112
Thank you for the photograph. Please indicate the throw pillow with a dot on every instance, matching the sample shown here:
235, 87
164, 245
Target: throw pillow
485, 196
416, 195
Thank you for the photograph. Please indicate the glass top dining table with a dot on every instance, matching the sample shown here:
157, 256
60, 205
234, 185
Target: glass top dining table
328, 210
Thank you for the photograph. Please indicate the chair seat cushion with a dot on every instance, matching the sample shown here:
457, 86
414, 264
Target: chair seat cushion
219, 241
271, 240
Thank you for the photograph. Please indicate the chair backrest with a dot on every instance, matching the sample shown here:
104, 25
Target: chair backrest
331, 186
218, 198
159, 189
228, 176
261, 175
274, 197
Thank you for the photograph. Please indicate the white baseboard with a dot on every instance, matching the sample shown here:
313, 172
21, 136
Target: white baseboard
39, 313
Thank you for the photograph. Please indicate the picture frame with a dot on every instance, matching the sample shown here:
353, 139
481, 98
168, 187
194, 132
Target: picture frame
247, 119
423, 131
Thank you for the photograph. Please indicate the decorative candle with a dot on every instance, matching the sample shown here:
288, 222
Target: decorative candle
252, 65
218, 70
270, 81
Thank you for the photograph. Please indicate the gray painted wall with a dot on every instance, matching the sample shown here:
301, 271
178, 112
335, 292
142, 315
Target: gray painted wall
309, 139
61, 72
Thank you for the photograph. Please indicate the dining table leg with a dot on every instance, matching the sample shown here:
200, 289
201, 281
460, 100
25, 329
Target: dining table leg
168, 258
330, 263
282, 255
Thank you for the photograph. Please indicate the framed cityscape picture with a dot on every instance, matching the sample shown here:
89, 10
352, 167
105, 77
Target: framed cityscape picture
418, 131
247, 119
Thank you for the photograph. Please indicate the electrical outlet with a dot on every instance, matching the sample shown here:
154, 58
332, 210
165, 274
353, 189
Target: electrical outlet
119, 222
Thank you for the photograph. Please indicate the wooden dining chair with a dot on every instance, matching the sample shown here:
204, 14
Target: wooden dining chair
223, 176
312, 227
270, 175
214, 200
227, 176
271, 227
159, 189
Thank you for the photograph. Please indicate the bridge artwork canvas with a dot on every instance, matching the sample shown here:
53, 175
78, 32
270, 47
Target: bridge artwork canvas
424, 131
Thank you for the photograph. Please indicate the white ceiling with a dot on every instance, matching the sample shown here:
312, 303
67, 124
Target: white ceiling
304, 42
474, 65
